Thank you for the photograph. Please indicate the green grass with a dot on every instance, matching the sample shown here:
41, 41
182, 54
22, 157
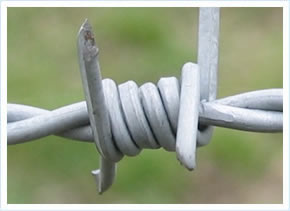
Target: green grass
142, 44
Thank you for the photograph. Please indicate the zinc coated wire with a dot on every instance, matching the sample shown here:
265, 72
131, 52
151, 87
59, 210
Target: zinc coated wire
149, 116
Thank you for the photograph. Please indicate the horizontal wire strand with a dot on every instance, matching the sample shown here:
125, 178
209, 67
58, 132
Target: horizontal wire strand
257, 111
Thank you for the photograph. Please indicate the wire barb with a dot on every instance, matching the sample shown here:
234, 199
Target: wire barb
186, 138
98, 115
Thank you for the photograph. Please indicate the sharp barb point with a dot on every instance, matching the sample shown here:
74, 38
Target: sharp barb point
87, 25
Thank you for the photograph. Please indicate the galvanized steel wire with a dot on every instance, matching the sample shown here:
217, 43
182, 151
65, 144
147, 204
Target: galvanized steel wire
176, 114
256, 111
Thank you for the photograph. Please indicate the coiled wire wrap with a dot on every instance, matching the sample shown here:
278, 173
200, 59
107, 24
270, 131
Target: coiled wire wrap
146, 117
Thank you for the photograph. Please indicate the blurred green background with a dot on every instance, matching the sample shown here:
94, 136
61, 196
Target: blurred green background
142, 44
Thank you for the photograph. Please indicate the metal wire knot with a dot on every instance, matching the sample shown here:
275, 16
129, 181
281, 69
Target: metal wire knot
177, 115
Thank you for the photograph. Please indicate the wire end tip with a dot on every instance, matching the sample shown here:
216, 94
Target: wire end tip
188, 166
86, 32
188, 161
86, 24
86, 42
96, 174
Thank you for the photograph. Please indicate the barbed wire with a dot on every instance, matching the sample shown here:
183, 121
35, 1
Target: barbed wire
177, 115
257, 111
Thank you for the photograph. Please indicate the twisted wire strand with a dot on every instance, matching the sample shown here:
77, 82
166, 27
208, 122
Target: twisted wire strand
146, 117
